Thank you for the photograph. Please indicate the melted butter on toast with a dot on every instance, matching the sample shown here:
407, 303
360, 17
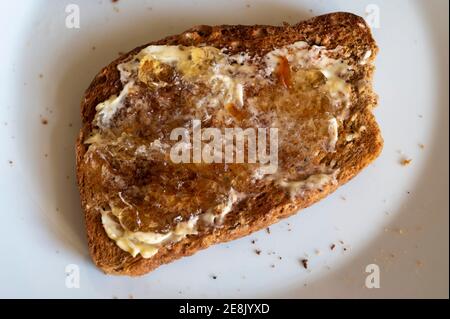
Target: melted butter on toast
149, 201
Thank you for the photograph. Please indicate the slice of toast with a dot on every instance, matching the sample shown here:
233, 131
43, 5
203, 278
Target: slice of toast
312, 81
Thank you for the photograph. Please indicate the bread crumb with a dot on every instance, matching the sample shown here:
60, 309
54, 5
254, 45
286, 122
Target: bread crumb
41, 75
304, 263
419, 263
44, 121
247, 5
10, 162
405, 161
93, 48
332, 247
272, 266
268, 230
257, 251
253, 241
70, 124
318, 252
214, 277
422, 146
343, 198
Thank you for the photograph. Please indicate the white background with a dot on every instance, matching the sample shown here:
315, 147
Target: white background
390, 215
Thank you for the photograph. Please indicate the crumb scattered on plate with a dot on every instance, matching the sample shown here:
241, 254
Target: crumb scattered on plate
304, 263
405, 161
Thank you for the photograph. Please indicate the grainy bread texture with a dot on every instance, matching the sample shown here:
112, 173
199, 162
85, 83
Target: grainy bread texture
267, 205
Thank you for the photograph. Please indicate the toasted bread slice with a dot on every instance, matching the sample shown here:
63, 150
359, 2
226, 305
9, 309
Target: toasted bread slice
312, 81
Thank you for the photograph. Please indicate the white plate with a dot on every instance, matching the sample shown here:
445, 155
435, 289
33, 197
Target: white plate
393, 216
